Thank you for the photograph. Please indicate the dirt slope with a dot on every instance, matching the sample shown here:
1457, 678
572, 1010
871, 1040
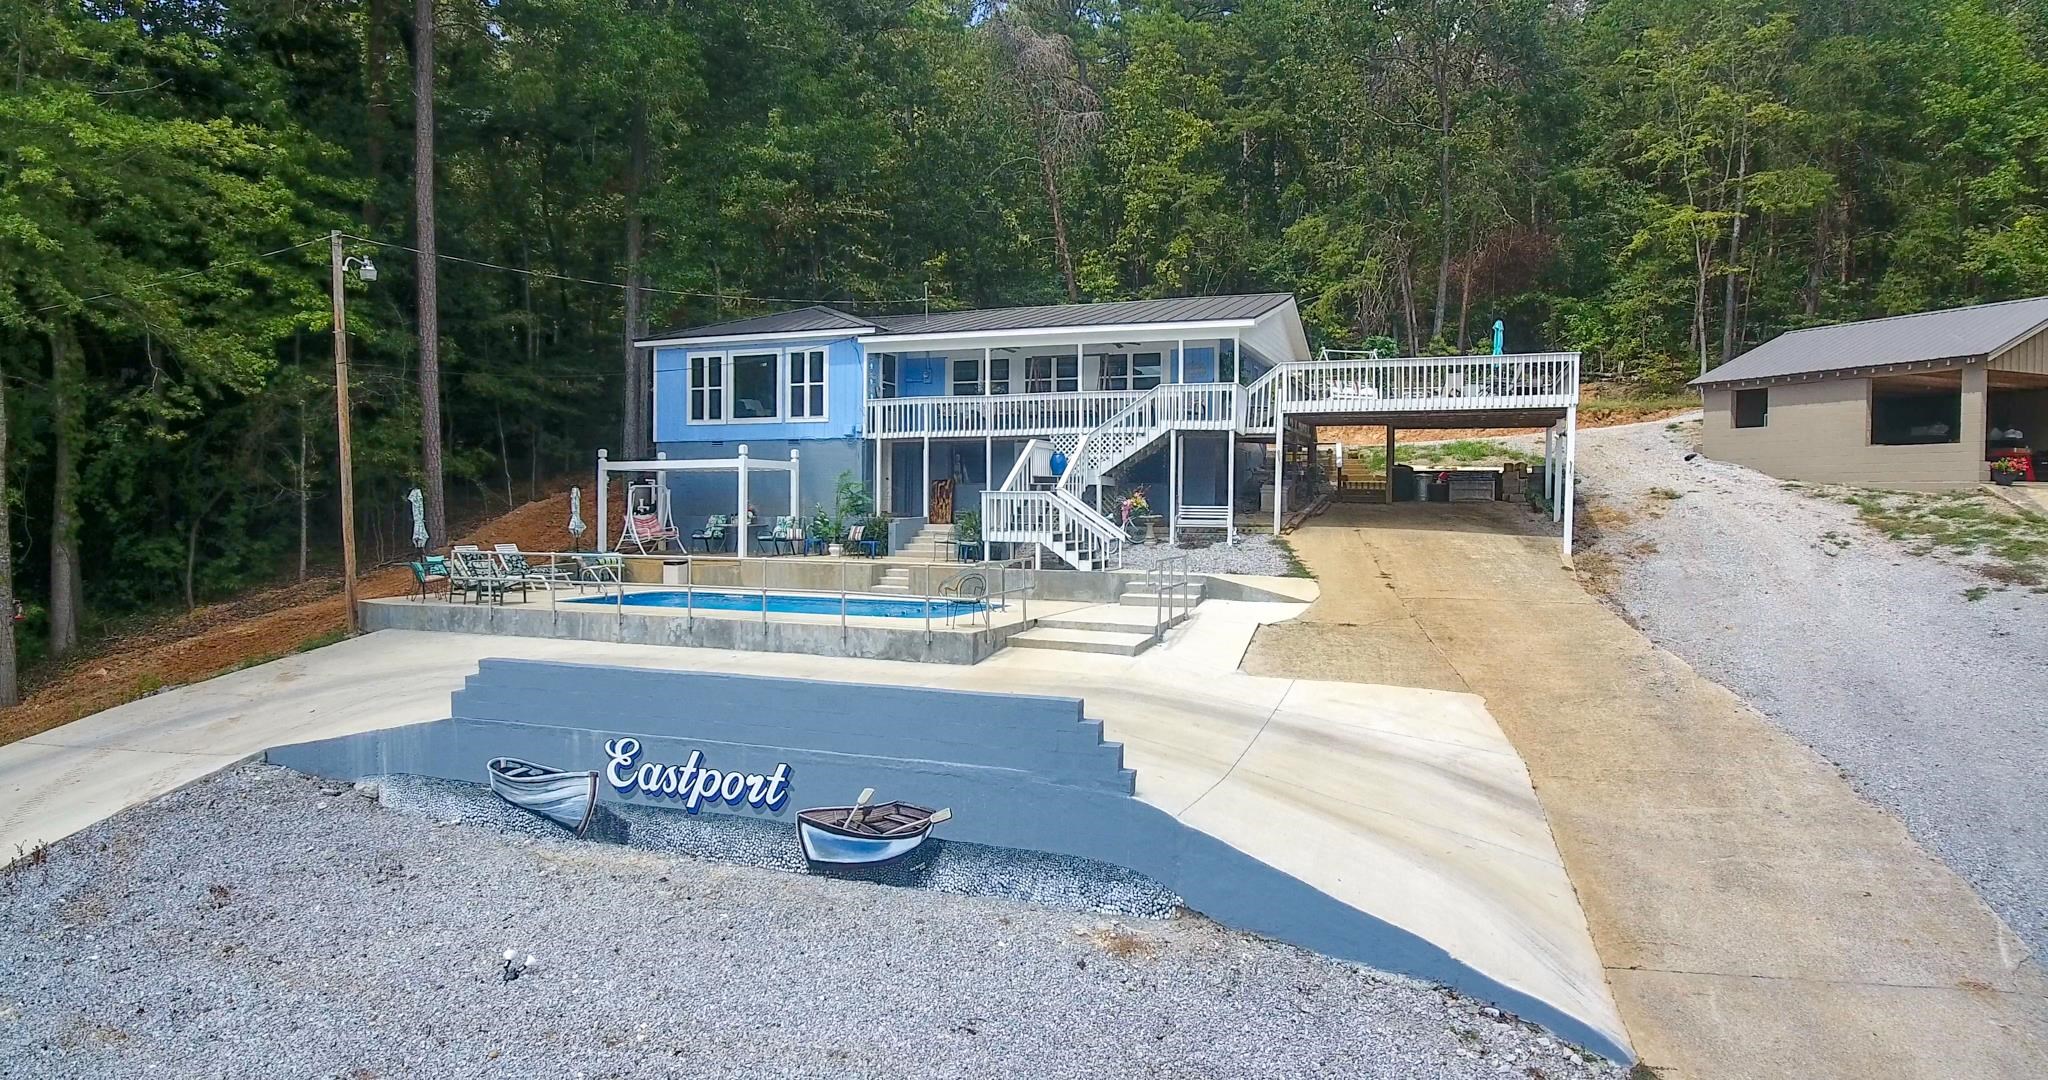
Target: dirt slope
249, 629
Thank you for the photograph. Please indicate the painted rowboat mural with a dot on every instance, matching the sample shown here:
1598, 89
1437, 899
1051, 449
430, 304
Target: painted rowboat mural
861, 835
568, 799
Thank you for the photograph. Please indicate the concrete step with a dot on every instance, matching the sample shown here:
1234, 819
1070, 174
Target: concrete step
892, 587
1104, 618
1089, 641
1144, 596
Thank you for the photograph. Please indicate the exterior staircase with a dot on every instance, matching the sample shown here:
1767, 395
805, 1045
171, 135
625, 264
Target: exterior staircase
933, 543
895, 579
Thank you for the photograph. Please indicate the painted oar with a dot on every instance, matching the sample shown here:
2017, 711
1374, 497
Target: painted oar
854, 815
943, 815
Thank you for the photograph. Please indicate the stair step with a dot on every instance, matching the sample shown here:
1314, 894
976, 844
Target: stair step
891, 587
1107, 619
1150, 598
1089, 641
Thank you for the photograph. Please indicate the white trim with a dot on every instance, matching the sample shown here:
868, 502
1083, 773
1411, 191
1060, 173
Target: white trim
853, 332
790, 357
1058, 335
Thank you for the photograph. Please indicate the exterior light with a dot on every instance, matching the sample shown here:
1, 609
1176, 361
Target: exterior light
369, 270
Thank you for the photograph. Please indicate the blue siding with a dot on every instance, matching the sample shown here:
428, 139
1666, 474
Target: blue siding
843, 389
921, 375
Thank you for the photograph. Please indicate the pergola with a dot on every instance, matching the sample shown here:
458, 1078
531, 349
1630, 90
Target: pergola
744, 464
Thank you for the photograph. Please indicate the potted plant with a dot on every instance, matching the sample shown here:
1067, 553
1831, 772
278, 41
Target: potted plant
967, 533
1133, 505
824, 530
2008, 471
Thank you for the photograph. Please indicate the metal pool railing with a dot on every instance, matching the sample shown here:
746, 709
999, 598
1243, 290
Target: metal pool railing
1169, 580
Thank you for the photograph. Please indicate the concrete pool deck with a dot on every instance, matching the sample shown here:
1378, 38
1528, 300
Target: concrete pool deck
1409, 805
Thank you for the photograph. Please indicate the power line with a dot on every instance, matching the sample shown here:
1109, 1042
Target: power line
168, 278
641, 288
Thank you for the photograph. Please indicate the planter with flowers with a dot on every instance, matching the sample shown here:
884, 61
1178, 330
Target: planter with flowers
2008, 470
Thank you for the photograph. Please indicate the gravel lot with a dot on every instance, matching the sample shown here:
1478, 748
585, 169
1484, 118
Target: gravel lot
1930, 703
264, 924
1253, 554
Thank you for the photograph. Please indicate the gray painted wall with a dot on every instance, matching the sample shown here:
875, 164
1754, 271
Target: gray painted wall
1018, 771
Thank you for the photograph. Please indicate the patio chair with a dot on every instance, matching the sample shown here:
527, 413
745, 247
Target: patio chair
712, 533
642, 530
778, 536
427, 571
856, 540
485, 576
599, 570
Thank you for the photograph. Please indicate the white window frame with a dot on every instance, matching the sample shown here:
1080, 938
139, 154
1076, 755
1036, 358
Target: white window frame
713, 361
777, 380
793, 390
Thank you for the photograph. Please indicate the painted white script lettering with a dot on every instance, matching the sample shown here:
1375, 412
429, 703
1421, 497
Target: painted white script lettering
691, 782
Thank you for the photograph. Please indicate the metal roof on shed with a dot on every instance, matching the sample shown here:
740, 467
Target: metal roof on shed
1966, 332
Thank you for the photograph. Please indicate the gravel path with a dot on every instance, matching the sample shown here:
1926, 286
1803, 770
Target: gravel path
1254, 553
264, 924
1930, 703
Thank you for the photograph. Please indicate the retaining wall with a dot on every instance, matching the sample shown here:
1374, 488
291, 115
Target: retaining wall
1018, 771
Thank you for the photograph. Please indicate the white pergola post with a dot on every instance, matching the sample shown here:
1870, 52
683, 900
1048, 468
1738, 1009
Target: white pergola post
880, 488
795, 488
1571, 472
604, 481
746, 532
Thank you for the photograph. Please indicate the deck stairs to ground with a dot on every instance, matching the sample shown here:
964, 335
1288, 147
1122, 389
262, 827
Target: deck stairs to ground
933, 543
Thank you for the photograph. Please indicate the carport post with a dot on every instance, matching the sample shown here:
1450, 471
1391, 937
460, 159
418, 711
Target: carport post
1389, 469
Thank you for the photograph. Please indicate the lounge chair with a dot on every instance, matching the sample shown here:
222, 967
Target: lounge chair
516, 565
600, 570
482, 574
713, 533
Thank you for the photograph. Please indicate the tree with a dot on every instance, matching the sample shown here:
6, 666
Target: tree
429, 270
1062, 112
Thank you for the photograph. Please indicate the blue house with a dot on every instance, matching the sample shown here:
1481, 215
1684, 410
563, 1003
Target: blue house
1041, 418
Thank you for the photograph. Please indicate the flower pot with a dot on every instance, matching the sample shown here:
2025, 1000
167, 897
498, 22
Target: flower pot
835, 550
2003, 478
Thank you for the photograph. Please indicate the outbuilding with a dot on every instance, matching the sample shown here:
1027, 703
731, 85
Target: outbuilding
1913, 401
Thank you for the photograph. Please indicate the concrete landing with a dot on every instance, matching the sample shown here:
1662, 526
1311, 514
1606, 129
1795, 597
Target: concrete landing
1407, 805
1058, 639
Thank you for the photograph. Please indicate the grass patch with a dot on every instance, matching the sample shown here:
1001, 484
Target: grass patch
1471, 452
1295, 567
1615, 405
1666, 494
2004, 544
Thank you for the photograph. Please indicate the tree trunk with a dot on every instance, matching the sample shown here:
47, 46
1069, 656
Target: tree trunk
637, 416
1728, 320
10, 690
1050, 177
305, 495
505, 459
1465, 296
1443, 180
66, 582
429, 269
377, 58
192, 545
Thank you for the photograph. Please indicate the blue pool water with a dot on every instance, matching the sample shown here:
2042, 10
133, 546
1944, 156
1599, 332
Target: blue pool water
713, 600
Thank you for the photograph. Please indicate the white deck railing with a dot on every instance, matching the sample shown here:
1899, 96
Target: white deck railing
1072, 413
1355, 383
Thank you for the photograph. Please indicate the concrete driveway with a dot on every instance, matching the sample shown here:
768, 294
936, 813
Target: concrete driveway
1755, 917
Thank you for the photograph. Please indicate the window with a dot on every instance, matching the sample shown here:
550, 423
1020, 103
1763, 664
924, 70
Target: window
1052, 374
1915, 412
882, 376
753, 386
1752, 408
998, 375
707, 388
807, 384
967, 377
1115, 372
1145, 371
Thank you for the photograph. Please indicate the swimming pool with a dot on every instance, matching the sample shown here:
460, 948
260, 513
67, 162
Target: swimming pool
789, 603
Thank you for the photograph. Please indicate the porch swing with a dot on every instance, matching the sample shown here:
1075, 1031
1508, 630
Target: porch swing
649, 519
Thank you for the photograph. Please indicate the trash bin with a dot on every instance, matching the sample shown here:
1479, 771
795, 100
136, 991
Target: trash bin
675, 572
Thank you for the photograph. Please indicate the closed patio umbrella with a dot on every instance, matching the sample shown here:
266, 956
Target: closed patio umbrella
1500, 334
576, 526
419, 519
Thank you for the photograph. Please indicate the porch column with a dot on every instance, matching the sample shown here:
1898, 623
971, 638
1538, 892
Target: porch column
988, 463
1173, 486
1180, 360
1236, 357
746, 531
795, 489
881, 489
1389, 500
927, 476
604, 480
1279, 454
1230, 486
1571, 469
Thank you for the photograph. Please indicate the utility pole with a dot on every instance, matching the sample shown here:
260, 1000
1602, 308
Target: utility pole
348, 480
